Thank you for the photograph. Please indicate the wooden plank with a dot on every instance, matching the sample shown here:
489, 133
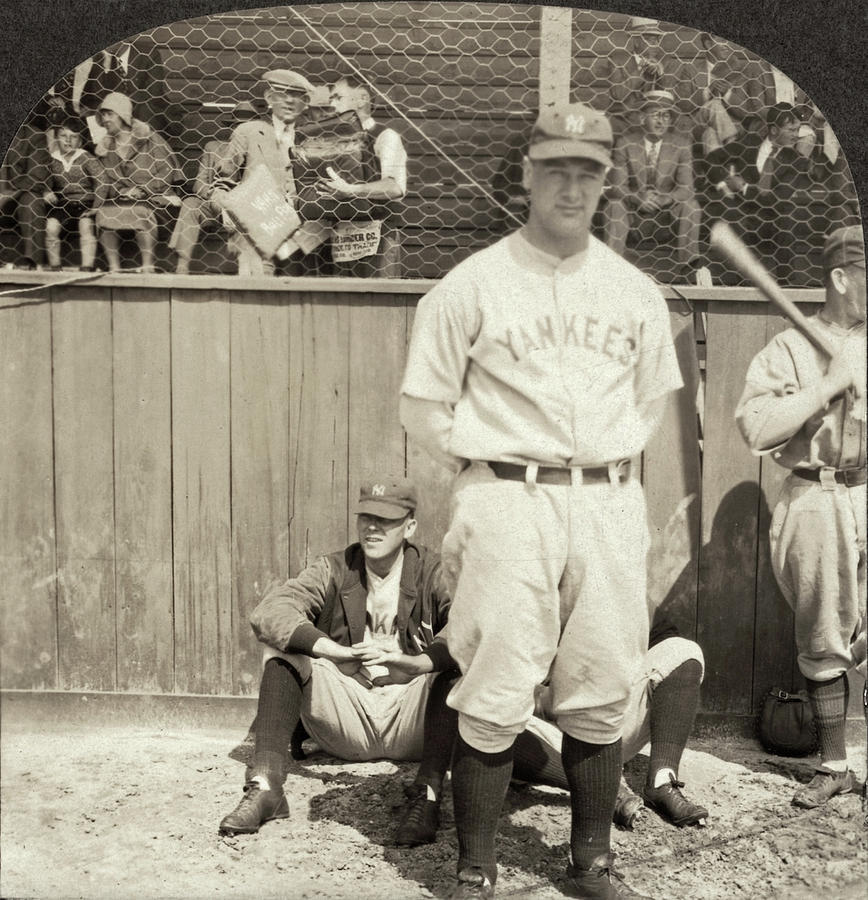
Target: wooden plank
83, 450
378, 329
730, 504
555, 60
319, 347
28, 620
672, 477
260, 370
201, 492
143, 489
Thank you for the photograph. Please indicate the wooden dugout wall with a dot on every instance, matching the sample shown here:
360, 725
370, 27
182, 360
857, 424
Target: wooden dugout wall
168, 450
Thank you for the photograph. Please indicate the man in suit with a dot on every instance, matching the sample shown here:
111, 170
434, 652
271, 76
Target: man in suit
268, 142
760, 184
652, 180
197, 210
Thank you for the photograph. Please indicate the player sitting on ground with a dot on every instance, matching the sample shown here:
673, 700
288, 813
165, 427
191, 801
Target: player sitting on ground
321, 628
662, 708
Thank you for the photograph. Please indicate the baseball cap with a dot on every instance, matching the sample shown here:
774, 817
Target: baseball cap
390, 497
572, 130
844, 247
287, 80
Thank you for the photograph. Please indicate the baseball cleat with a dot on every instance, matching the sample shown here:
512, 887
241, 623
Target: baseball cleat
256, 807
668, 801
628, 806
419, 823
824, 785
599, 882
472, 882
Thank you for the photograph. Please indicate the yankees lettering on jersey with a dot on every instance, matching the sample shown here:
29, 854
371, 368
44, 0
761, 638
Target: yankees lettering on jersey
549, 360
580, 332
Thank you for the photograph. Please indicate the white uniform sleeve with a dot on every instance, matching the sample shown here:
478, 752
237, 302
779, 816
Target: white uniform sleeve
444, 328
389, 149
657, 369
429, 424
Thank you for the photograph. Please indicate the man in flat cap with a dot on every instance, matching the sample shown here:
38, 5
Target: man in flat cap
538, 368
652, 182
267, 142
808, 412
381, 594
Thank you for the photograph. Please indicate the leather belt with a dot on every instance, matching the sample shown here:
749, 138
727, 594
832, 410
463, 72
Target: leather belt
559, 474
850, 477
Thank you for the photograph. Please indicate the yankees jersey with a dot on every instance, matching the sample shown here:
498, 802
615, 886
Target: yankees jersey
543, 359
834, 435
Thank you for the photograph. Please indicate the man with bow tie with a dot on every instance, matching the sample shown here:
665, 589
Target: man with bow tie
652, 180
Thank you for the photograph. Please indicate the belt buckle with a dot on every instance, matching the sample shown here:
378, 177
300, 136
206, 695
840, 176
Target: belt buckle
827, 478
622, 470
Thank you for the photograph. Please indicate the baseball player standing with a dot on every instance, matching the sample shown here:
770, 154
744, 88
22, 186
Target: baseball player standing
809, 414
537, 368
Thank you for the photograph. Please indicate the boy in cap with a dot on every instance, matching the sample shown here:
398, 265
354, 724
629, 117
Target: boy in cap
538, 368
652, 179
267, 142
322, 626
808, 413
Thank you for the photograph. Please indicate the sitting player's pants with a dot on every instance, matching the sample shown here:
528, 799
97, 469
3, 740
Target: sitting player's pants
351, 721
660, 662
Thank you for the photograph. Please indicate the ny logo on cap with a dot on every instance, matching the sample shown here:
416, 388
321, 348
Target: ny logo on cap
378, 490
575, 124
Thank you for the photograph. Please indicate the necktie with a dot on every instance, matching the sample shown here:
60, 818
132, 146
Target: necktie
651, 164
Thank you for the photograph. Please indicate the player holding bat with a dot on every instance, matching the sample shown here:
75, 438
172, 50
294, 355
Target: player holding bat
808, 412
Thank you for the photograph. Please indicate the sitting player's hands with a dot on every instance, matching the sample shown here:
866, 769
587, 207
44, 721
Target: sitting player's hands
401, 667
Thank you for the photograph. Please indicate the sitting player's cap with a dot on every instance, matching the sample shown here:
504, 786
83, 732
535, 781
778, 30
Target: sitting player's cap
389, 497
643, 25
657, 100
844, 247
573, 130
287, 80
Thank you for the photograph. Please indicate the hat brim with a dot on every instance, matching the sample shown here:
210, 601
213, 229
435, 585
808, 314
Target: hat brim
381, 508
564, 149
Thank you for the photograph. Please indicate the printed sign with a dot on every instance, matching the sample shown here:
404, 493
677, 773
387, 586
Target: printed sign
355, 240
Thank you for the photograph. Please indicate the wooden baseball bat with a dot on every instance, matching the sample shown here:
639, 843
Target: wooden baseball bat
742, 257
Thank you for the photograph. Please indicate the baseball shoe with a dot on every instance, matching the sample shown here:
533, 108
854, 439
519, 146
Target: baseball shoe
628, 806
472, 883
668, 801
419, 823
824, 785
256, 807
599, 882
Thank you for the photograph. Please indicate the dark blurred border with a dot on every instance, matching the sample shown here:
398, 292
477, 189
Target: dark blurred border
821, 44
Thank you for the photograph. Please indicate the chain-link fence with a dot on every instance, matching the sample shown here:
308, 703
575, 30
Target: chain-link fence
388, 138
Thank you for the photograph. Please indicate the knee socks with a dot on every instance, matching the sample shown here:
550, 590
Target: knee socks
276, 717
593, 772
479, 784
829, 701
673, 711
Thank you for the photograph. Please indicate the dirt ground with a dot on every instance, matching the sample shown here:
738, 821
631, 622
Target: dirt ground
121, 812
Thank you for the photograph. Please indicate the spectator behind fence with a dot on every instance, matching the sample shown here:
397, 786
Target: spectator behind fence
70, 188
646, 68
269, 143
365, 207
134, 68
198, 211
139, 171
651, 181
24, 174
759, 182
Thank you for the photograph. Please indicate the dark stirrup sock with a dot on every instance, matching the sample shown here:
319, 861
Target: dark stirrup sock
674, 703
537, 762
593, 772
441, 730
479, 784
276, 717
829, 701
